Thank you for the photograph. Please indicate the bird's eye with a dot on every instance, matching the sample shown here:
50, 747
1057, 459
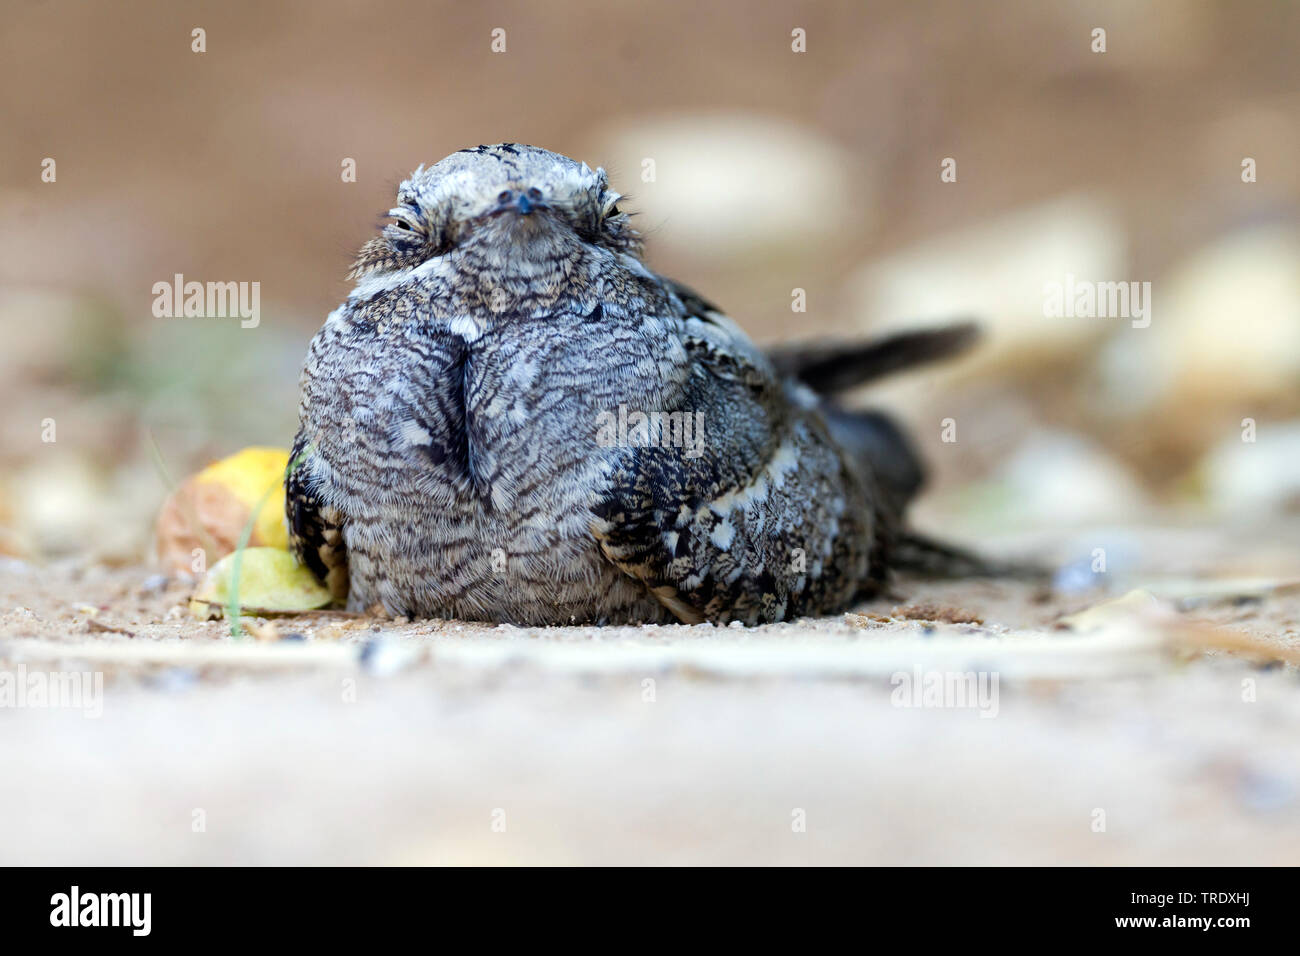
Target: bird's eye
407, 217
613, 211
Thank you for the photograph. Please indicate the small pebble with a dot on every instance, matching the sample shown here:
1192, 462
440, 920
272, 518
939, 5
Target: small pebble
383, 656
153, 585
174, 679
1264, 792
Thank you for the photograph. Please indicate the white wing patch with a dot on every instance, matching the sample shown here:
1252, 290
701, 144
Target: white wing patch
412, 434
784, 461
722, 534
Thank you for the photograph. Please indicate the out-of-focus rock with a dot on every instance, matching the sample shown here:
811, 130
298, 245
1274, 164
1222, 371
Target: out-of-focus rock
1259, 477
1057, 479
1062, 478
62, 504
730, 184
41, 329
999, 273
11, 544
56, 505
1224, 335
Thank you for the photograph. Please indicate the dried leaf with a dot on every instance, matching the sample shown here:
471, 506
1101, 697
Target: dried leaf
210, 509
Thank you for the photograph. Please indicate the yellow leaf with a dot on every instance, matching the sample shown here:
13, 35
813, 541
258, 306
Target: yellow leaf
270, 579
249, 475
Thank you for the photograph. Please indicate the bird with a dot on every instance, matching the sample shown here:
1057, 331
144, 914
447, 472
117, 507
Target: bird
513, 419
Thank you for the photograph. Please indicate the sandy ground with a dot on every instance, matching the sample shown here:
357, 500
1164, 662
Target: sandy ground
1156, 731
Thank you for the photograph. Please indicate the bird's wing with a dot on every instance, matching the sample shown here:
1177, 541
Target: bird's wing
756, 517
315, 529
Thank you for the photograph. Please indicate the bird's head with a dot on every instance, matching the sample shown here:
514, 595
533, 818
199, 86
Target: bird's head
503, 202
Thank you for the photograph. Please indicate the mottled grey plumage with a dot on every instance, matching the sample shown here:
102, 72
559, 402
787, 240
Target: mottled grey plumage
469, 446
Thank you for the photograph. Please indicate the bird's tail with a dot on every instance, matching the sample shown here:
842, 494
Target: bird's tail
830, 367
882, 448
918, 554
872, 438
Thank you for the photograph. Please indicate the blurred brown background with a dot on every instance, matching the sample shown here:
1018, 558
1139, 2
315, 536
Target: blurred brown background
774, 171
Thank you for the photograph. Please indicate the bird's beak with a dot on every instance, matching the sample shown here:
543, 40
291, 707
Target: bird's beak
522, 201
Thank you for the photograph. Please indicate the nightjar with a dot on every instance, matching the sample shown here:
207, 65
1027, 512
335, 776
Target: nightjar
513, 419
